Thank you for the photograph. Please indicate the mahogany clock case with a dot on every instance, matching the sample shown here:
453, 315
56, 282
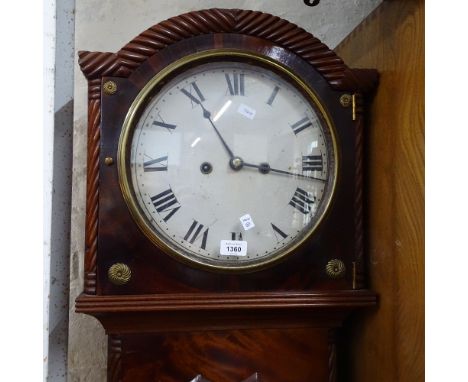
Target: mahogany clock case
173, 321
153, 271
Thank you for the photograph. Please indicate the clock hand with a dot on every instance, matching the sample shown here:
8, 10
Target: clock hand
207, 115
265, 168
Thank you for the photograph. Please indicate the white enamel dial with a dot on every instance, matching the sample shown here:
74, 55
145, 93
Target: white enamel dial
224, 140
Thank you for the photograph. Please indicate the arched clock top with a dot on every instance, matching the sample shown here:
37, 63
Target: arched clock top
245, 22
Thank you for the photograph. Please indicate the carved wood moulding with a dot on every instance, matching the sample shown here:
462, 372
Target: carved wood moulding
210, 301
253, 378
253, 23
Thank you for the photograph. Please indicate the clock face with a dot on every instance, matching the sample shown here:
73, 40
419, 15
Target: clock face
229, 165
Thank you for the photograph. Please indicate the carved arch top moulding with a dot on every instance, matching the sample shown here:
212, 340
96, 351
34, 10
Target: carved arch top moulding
253, 23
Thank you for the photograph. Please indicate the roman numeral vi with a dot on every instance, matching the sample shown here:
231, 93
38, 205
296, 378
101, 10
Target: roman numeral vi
236, 235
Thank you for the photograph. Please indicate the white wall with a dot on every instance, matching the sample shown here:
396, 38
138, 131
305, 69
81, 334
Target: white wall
107, 25
58, 127
48, 145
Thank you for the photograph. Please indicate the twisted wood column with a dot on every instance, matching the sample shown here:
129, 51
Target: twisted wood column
358, 279
92, 185
114, 359
332, 359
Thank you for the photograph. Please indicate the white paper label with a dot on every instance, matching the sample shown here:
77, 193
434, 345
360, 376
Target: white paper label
247, 222
233, 248
246, 111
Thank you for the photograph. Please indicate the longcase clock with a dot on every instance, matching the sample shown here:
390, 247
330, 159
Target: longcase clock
224, 220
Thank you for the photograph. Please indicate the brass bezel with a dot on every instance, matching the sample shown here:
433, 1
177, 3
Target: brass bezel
128, 126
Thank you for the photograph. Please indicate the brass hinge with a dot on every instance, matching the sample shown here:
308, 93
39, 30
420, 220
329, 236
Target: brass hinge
354, 106
354, 275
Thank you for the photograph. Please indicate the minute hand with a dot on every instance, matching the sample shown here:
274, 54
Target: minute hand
265, 169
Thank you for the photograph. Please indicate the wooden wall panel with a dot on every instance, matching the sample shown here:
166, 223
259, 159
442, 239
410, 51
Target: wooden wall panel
387, 344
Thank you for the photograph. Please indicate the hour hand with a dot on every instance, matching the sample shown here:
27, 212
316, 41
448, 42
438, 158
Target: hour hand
207, 115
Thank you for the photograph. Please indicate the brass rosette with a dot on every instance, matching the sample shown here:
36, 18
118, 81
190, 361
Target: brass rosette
110, 87
346, 100
119, 274
335, 269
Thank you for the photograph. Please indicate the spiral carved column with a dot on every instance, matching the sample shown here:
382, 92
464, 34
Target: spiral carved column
358, 282
332, 362
92, 185
114, 359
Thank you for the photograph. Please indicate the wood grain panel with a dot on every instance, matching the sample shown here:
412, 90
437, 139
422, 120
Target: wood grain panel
388, 343
294, 355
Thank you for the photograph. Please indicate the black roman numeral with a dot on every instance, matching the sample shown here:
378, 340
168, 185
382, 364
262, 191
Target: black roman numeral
312, 163
302, 200
236, 235
193, 98
301, 125
277, 232
164, 124
273, 95
158, 164
194, 232
236, 86
166, 202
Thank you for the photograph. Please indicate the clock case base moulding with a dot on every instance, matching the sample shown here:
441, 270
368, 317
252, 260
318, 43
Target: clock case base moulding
165, 296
